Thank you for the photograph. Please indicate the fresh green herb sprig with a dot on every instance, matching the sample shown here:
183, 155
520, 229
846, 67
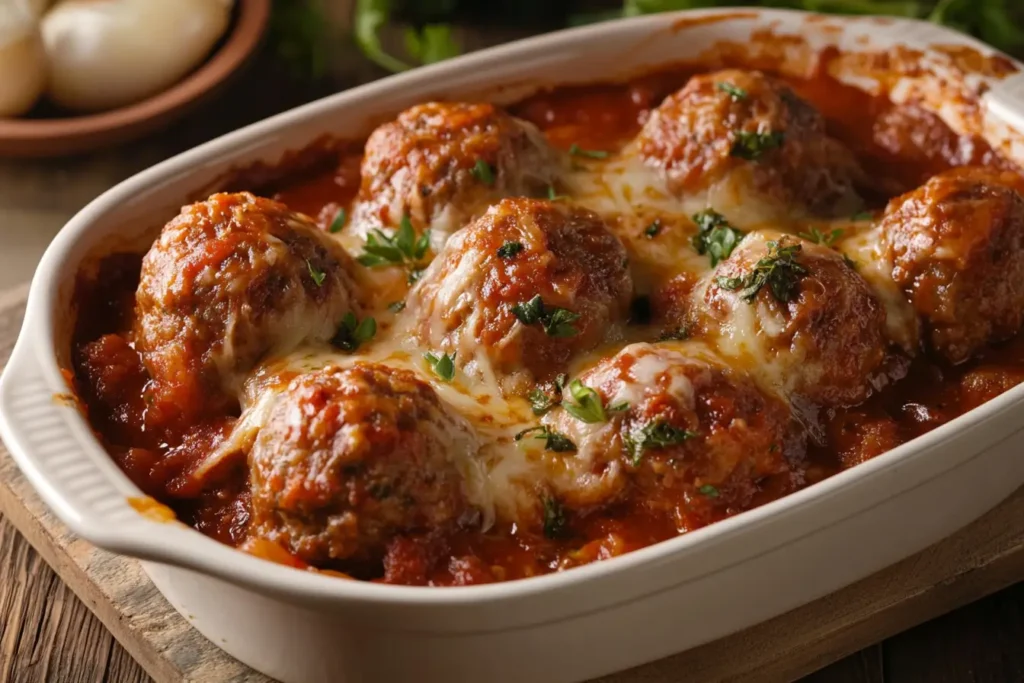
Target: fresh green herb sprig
431, 43
557, 322
353, 333
553, 441
826, 239
541, 400
401, 249
586, 404
715, 236
443, 366
779, 270
555, 520
752, 146
654, 435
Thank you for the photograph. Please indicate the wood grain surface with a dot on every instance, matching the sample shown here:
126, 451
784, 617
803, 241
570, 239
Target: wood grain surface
48, 635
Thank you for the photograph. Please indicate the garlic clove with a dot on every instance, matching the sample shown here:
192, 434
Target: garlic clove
22, 60
105, 54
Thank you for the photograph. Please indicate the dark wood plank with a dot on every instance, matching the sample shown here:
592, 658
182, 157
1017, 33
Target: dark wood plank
866, 666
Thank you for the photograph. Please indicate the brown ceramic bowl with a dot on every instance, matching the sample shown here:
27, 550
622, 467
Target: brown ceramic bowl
47, 137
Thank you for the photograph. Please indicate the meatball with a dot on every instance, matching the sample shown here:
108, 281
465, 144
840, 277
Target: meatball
797, 314
521, 290
956, 247
443, 163
229, 280
677, 423
351, 457
743, 140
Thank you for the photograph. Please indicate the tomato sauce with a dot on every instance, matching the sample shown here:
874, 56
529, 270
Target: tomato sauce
900, 147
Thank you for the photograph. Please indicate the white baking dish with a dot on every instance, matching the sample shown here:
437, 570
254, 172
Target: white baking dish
308, 628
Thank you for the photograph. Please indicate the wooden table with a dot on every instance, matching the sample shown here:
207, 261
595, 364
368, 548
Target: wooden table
47, 634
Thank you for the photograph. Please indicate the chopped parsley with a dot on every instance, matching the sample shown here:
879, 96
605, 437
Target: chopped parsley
396, 306
715, 236
553, 194
709, 491
751, 146
779, 270
658, 434
339, 221
824, 238
352, 332
554, 518
553, 441
736, 93
510, 249
318, 275
542, 401
443, 366
483, 172
586, 404
557, 322
401, 249
578, 151
652, 230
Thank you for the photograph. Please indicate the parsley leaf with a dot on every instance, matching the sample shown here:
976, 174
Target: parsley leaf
483, 172
554, 519
339, 221
652, 230
751, 146
587, 406
715, 236
654, 435
541, 400
443, 366
737, 94
578, 151
779, 270
401, 249
553, 441
557, 322
510, 249
827, 239
352, 333
318, 275
431, 43
709, 491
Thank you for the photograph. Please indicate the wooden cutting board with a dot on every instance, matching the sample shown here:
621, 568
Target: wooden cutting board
981, 559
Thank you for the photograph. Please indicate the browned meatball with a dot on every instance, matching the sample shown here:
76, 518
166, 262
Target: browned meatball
350, 458
229, 280
676, 422
443, 163
956, 246
744, 141
796, 314
521, 290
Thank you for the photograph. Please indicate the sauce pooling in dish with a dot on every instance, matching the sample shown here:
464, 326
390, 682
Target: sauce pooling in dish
502, 343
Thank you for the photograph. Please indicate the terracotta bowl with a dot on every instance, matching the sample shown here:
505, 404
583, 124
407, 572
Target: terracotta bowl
47, 137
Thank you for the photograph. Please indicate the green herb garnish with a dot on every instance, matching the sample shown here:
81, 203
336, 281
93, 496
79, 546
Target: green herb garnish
737, 94
352, 332
578, 151
553, 441
654, 435
510, 249
483, 172
715, 236
586, 404
318, 275
824, 238
652, 230
443, 366
401, 249
431, 43
541, 401
554, 518
553, 196
862, 216
751, 146
675, 334
339, 221
709, 491
779, 270
396, 306
557, 322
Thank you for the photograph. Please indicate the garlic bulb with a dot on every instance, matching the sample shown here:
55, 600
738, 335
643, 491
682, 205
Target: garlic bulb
22, 60
110, 53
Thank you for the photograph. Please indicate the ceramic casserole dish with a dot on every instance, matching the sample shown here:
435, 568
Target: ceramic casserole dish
305, 627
